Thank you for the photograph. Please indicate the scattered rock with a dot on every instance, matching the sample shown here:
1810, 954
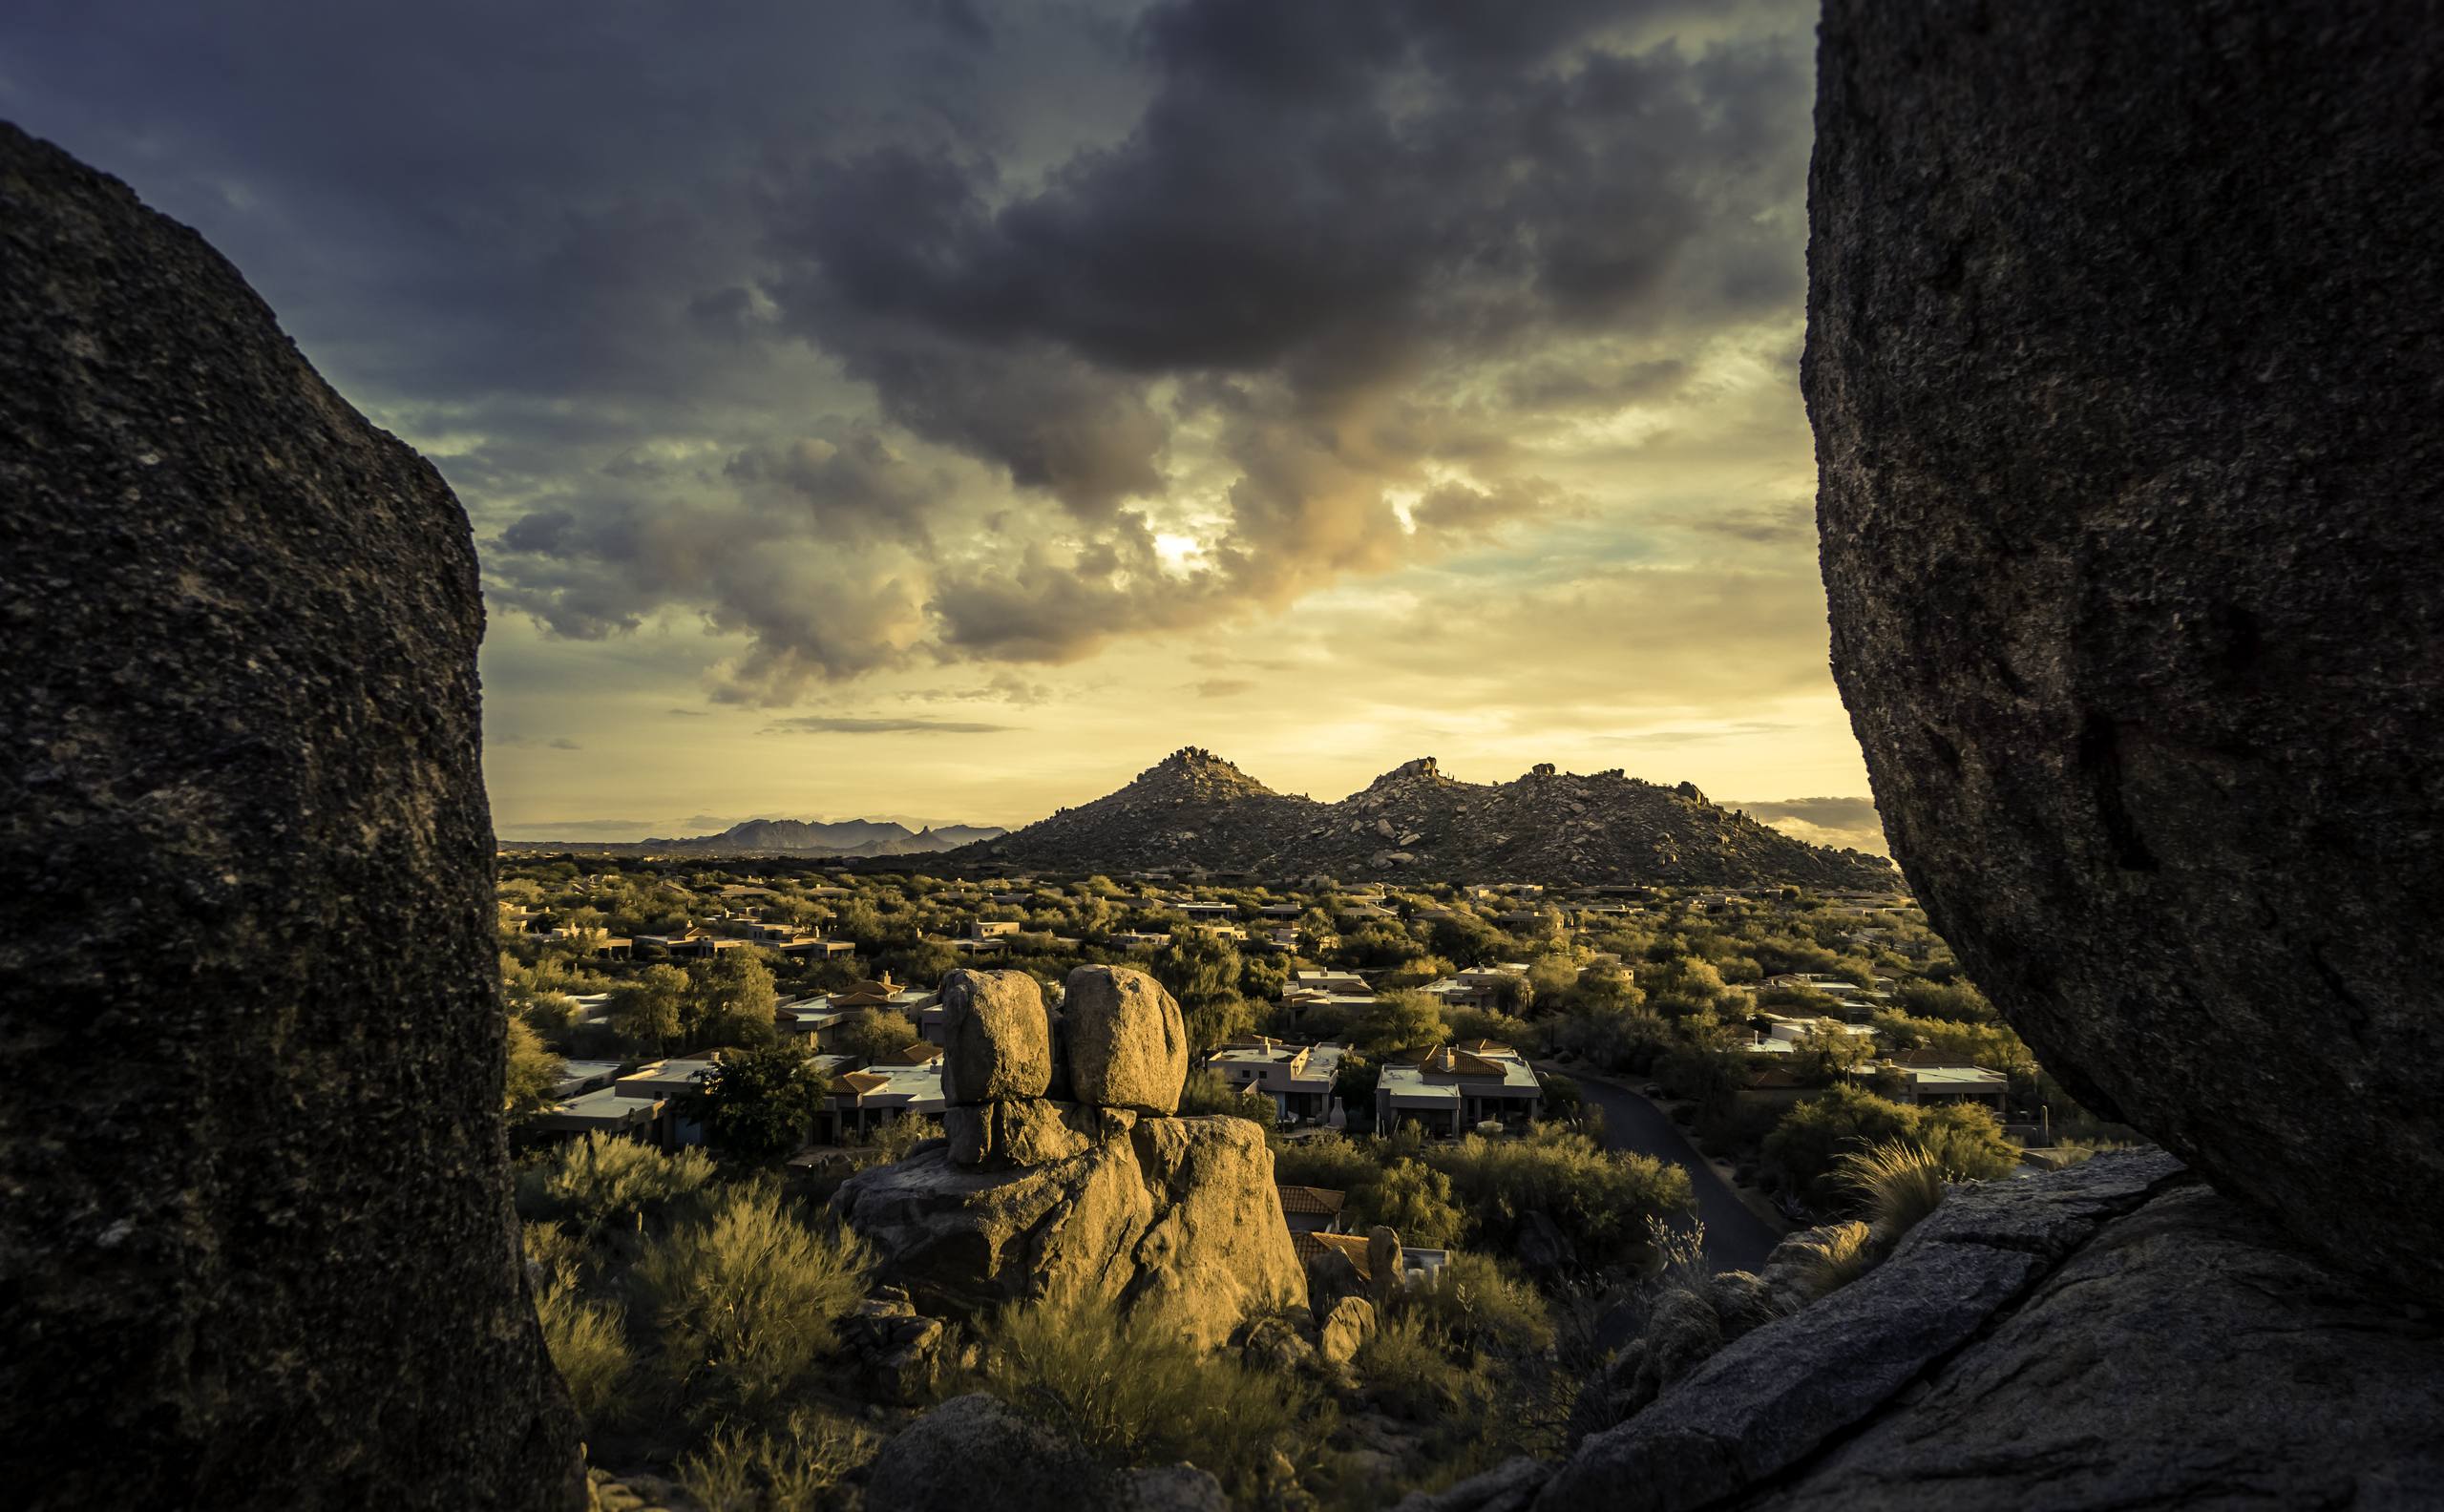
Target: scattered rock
256, 1250
1126, 1040
2128, 488
1347, 1325
997, 1039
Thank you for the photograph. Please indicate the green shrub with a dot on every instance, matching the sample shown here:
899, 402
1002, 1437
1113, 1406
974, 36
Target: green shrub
1481, 1308
745, 1302
1414, 1200
1333, 1162
1406, 1372
1131, 1392
794, 1468
1206, 1091
589, 1347
600, 1183
1600, 1200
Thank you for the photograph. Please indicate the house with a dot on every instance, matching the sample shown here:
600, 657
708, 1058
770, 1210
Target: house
656, 1084
984, 928
1419, 1268
1349, 983
694, 945
1455, 1088
1774, 1087
1282, 910
600, 1110
580, 1077
1311, 1210
864, 1100
1931, 1078
1140, 941
1479, 986
1209, 911
1298, 1079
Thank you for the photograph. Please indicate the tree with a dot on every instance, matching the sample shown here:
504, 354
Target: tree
1215, 1021
1469, 939
732, 1001
1825, 1054
1400, 1021
876, 1034
533, 1070
757, 1103
1197, 967
645, 1009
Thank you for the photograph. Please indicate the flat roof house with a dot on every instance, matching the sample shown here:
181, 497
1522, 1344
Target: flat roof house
1298, 1079
1454, 1088
864, 1100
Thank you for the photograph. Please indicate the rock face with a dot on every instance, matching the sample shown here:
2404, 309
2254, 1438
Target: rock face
2124, 333
1125, 1040
255, 1237
1102, 1198
997, 1037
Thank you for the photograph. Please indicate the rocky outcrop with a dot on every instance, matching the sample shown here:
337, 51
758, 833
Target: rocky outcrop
255, 1238
1196, 810
972, 1452
2122, 359
1171, 1219
2117, 1335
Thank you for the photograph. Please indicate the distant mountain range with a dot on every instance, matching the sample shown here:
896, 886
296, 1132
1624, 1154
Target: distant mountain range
1196, 812
792, 837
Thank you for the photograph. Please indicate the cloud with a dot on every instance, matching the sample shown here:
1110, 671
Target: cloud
1851, 822
844, 724
1222, 687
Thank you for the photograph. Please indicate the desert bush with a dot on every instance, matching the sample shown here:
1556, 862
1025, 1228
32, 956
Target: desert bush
1414, 1200
1600, 1200
1481, 1308
589, 1343
895, 1137
1334, 1162
796, 1467
600, 1183
745, 1301
1405, 1371
1132, 1393
1206, 1091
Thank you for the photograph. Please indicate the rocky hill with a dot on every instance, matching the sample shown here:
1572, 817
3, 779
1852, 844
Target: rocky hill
797, 837
1196, 810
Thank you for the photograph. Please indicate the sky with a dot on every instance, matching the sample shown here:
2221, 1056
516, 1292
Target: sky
941, 410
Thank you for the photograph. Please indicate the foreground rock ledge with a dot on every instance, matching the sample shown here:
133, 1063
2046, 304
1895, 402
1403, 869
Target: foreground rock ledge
255, 1241
2117, 1335
2125, 332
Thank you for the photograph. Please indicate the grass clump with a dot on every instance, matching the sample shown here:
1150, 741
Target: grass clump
1832, 1257
796, 1467
1131, 1392
589, 1347
1898, 1181
743, 1303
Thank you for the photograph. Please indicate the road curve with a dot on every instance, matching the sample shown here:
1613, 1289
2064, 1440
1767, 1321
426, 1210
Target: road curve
1737, 1239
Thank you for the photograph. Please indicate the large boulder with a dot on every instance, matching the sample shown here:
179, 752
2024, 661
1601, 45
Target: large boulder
2125, 330
255, 1235
1174, 1218
1126, 1040
997, 1037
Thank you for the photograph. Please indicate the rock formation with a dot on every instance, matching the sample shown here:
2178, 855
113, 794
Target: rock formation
1196, 810
2125, 333
1032, 1198
255, 1238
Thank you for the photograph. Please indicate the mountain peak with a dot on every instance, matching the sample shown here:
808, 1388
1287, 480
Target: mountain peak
1196, 772
1420, 770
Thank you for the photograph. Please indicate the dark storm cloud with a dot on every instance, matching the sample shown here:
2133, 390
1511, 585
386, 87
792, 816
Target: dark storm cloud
761, 313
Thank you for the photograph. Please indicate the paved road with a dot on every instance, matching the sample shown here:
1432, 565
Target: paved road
1737, 1239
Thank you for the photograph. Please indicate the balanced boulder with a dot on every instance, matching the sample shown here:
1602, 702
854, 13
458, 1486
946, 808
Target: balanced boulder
1126, 1040
997, 1037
